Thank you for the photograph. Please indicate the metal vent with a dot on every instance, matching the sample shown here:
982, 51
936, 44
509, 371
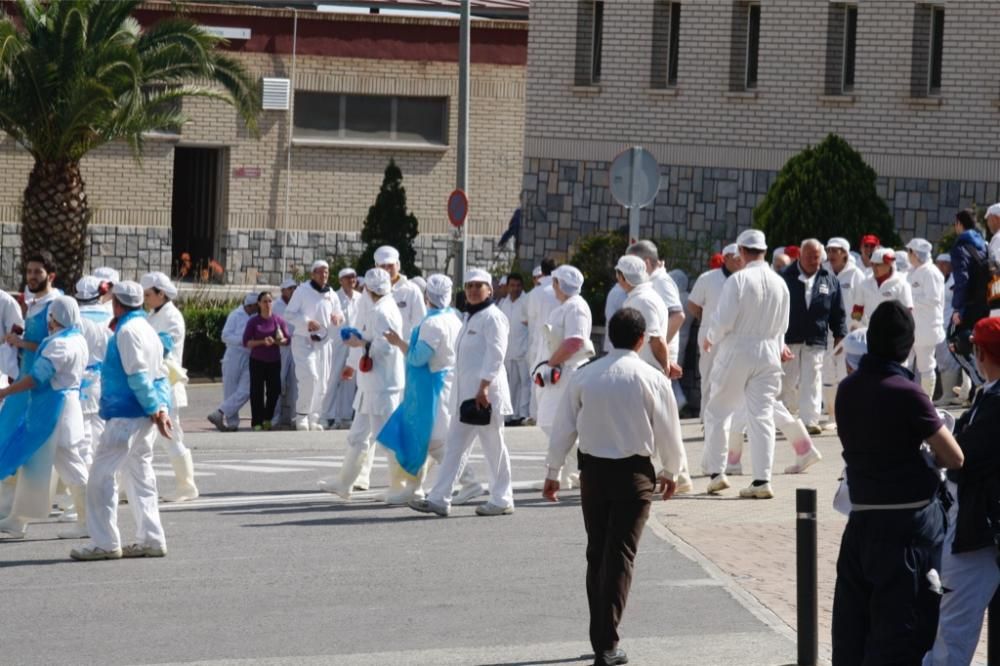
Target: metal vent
275, 95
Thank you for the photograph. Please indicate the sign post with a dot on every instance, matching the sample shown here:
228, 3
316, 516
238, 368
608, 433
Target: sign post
634, 178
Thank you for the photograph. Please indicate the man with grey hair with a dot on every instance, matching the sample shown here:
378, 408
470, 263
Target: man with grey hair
816, 310
666, 288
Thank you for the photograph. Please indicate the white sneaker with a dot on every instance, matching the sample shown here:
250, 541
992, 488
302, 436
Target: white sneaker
717, 485
316, 427
142, 550
427, 506
804, 462
400, 498
469, 493
684, 484
757, 492
68, 516
12, 529
91, 553
302, 423
490, 509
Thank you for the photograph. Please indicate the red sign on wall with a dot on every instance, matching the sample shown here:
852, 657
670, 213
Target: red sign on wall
246, 172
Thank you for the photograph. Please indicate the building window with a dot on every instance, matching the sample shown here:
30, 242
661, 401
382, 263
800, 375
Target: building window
928, 50
745, 46
589, 42
841, 47
333, 117
666, 43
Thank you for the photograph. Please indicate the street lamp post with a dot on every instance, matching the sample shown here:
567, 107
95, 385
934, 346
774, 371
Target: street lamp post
462, 175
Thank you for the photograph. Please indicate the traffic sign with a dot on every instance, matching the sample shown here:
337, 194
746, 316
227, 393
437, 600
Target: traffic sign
458, 208
635, 181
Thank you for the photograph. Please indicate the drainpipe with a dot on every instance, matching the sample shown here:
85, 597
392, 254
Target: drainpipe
291, 129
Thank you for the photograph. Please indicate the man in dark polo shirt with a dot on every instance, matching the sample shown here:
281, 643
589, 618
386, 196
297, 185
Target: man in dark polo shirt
885, 606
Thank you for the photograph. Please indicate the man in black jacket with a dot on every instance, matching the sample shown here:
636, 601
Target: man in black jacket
970, 270
817, 309
969, 569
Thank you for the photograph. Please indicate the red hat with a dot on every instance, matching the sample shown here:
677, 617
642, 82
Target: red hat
870, 239
792, 252
716, 261
986, 336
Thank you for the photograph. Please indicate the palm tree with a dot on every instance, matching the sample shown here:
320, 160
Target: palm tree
76, 74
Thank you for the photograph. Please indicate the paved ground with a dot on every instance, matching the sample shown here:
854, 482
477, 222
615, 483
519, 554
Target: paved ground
263, 569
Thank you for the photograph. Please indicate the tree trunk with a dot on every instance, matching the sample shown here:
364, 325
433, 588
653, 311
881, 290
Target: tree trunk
55, 217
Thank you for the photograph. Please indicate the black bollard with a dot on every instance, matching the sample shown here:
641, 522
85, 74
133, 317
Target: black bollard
805, 567
993, 632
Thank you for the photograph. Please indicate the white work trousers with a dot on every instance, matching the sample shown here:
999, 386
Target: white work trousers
743, 373
338, 404
705, 359
924, 363
175, 445
235, 386
127, 445
313, 363
93, 429
802, 387
519, 376
284, 413
456, 457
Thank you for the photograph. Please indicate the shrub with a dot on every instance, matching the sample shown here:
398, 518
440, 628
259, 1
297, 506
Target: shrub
388, 223
821, 192
203, 346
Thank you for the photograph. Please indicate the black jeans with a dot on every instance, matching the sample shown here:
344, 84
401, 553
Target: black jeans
616, 497
265, 377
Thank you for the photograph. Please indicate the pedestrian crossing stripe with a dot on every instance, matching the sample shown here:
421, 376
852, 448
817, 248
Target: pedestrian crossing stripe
302, 464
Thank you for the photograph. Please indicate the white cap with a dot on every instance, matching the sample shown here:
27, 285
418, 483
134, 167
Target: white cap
902, 262
251, 298
856, 346
503, 281
778, 250
919, 245
386, 254
439, 288
107, 274
731, 250
993, 210
884, 255
158, 280
289, 283
478, 275
65, 311
633, 269
536, 272
752, 239
570, 279
420, 282
838, 241
378, 281
944, 257
346, 272
88, 288
128, 293
319, 263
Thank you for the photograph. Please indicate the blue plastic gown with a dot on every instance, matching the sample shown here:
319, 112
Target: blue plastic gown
43, 411
129, 396
408, 431
14, 409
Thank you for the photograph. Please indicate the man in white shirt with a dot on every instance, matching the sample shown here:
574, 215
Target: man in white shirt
747, 331
627, 424
315, 314
665, 287
338, 406
285, 411
541, 303
993, 255
927, 286
235, 367
839, 262
409, 299
885, 284
702, 302
514, 307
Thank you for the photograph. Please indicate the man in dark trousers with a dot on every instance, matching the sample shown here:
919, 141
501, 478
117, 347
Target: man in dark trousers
815, 310
885, 604
969, 571
629, 421
970, 270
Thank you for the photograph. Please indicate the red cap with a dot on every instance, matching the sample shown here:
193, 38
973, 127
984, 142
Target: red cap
870, 239
716, 261
986, 336
792, 251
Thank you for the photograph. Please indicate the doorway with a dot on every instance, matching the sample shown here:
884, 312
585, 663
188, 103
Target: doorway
195, 210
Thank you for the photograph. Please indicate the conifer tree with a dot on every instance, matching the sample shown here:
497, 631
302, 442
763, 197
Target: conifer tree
389, 223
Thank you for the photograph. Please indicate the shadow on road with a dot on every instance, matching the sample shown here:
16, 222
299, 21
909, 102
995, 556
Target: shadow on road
586, 658
35, 563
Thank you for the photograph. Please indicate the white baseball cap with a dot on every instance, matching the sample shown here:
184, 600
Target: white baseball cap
920, 246
478, 275
884, 255
943, 257
250, 299
731, 250
107, 274
386, 254
347, 272
65, 311
993, 210
839, 242
752, 239
319, 263
289, 283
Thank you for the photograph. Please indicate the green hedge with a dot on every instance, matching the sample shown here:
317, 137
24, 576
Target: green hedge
203, 346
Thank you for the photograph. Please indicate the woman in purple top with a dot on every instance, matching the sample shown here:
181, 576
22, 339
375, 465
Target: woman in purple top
264, 335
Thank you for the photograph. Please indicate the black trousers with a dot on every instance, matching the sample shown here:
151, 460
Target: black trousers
884, 608
616, 496
265, 390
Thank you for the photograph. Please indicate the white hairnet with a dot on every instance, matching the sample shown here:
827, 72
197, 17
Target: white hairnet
378, 281
570, 279
158, 280
439, 288
64, 311
386, 254
128, 293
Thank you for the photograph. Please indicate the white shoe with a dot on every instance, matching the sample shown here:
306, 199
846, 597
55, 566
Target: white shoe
402, 497
332, 486
469, 493
490, 509
717, 485
68, 516
734, 469
684, 484
804, 462
316, 427
302, 423
757, 492
11, 528
142, 550
91, 553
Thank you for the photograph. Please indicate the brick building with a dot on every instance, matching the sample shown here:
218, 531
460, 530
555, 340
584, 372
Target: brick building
723, 92
364, 88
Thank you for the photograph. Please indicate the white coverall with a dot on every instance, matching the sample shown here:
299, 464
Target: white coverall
541, 302
613, 303
235, 367
284, 413
927, 286
871, 295
747, 330
516, 363
834, 367
481, 347
10, 316
570, 320
127, 445
338, 405
94, 324
313, 358
705, 294
410, 301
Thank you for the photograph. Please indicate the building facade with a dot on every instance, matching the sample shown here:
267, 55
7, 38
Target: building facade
363, 89
724, 92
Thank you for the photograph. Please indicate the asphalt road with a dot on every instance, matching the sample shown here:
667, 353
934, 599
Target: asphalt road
264, 569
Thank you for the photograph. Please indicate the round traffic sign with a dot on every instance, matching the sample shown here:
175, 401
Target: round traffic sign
634, 178
458, 208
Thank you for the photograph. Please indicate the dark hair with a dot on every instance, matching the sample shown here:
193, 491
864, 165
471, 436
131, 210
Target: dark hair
515, 276
626, 328
548, 265
127, 308
966, 219
263, 294
890, 331
43, 257
756, 253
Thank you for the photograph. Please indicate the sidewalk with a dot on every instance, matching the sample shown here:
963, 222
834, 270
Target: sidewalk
753, 541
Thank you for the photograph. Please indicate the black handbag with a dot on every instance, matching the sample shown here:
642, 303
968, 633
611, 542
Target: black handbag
472, 414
